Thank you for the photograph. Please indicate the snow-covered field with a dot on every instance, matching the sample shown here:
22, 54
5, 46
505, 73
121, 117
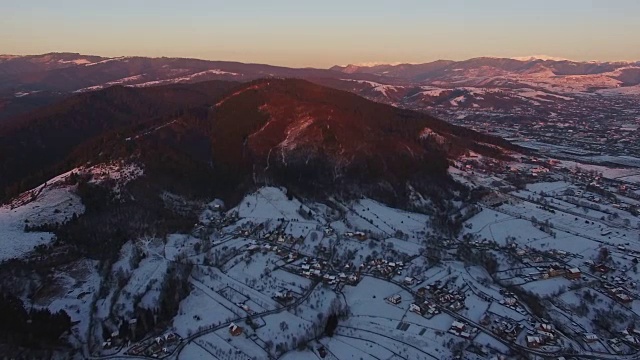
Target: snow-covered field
73, 292
50, 203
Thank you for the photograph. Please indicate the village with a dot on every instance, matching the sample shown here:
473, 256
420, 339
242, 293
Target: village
540, 260
544, 265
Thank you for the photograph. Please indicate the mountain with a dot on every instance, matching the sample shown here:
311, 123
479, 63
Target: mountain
522, 89
28, 82
488, 69
36, 144
11, 65
86, 73
404, 71
288, 131
139, 160
534, 86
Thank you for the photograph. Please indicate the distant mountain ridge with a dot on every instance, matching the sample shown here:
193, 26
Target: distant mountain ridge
68, 72
534, 86
441, 68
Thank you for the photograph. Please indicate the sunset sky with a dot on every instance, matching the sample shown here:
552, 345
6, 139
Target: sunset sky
324, 33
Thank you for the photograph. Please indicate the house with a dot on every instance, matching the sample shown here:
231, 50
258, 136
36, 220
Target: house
456, 306
253, 248
417, 309
283, 296
235, 330
624, 298
630, 339
556, 271
545, 327
510, 301
395, 299
322, 352
589, 337
534, 341
573, 273
329, 278
546, 335
457, 326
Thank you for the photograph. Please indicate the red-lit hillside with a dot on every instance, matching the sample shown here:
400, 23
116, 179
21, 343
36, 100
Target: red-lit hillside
221, 139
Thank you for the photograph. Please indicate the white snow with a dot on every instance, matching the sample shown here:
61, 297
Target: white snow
187, 78
75, 61
381, 88
52, 202
269, 203
623, 90
539, 57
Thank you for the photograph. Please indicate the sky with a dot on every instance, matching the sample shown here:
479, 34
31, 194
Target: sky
323, 33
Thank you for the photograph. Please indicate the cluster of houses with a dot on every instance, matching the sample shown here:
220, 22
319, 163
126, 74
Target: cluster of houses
604, 191
314, 269
284, 297
280, 237
286, 255
463, 330
157, 347
601, 268
617, 293
502, 327
384, 268
485, 244
630, 336
221, 222
359, 235
556, 270
425, 308
443, 296
537, 168
511, 301
543, 334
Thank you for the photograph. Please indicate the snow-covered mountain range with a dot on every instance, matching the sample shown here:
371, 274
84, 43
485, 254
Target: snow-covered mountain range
479, 84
